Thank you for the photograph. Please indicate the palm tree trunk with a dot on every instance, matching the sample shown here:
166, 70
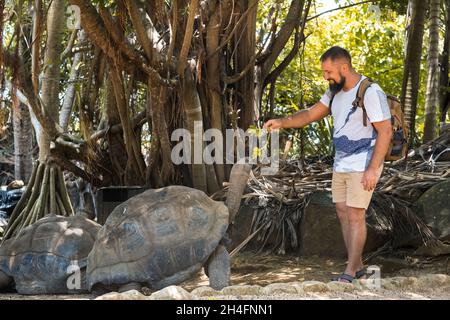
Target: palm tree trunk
411, 74
444, 96
433, 74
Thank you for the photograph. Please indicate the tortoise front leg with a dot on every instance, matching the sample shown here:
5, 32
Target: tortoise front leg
218, 268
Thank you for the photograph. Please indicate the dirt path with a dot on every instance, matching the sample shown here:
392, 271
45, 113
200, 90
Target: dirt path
249, 269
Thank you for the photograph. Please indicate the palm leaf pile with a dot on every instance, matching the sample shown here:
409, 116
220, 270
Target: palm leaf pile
279, 200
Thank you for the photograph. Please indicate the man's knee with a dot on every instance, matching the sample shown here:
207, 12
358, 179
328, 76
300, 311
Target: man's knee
356, 215
341, 210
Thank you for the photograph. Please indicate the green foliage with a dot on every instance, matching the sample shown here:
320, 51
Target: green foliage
376, 44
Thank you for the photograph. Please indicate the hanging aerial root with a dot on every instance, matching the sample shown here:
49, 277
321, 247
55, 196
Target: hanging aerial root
46, 193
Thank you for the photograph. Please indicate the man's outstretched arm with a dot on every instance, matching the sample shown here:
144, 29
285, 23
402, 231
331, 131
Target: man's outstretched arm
299, 119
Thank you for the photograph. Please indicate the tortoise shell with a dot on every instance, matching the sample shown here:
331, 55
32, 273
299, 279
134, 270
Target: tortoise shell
159, 237
41, 257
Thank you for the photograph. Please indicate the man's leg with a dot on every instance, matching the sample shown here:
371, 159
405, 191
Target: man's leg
344, 219
357, 234
342, 214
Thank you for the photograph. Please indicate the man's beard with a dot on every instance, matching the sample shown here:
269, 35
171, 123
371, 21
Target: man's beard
337, 86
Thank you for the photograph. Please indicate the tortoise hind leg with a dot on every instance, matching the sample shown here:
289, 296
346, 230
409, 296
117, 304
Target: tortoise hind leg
218, 268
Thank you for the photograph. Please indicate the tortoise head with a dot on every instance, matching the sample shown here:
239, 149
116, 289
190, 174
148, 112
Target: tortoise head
238, 180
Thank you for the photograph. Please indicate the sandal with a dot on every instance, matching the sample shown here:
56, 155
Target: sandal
348, 278
359, 274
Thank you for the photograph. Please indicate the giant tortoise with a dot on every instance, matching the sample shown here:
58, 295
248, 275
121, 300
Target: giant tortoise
164, 236
43, 257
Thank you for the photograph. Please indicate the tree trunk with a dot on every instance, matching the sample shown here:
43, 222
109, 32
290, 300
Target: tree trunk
117, 152
444, 96
22, 141
22, 131
46, 192
194, 124
245, 41
411, 73
213, 71
433, 74
52, 62
160, 171
69, 97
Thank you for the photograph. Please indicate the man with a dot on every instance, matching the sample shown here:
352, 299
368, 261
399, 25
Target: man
360, 150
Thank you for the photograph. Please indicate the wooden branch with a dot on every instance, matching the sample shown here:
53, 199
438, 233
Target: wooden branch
187, 38
36, 44
69, 47
173, 32
240, 75
292, 21
52, 129
70, 166
143, 34
95, 28
340, 8
120, 40
273, 75
235, 27
138, 122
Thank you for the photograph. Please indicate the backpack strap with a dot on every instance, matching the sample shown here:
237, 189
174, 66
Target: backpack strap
331, 102
359, 100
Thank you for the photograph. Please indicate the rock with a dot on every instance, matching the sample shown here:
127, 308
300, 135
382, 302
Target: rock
242, 290
367, 284
9, 199
279, 288
340, 286
314, 286
396, 283
172, 293
298, 286
433, 280
433, 207
320, 231
127, 295
16, 184
205, 291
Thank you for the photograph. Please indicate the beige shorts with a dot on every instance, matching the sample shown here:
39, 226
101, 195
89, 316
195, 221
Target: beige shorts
347, 187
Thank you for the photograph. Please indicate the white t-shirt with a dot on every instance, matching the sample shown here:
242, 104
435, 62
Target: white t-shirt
354, 143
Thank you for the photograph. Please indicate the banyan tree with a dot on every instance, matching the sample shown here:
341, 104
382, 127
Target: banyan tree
107, 82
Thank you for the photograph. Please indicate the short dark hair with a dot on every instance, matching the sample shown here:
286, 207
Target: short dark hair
335, 53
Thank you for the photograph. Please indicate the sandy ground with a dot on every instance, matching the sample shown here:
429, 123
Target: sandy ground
250, 269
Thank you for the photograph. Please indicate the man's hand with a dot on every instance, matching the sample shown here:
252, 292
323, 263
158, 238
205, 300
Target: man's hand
299, 119
369, 179
273, 124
